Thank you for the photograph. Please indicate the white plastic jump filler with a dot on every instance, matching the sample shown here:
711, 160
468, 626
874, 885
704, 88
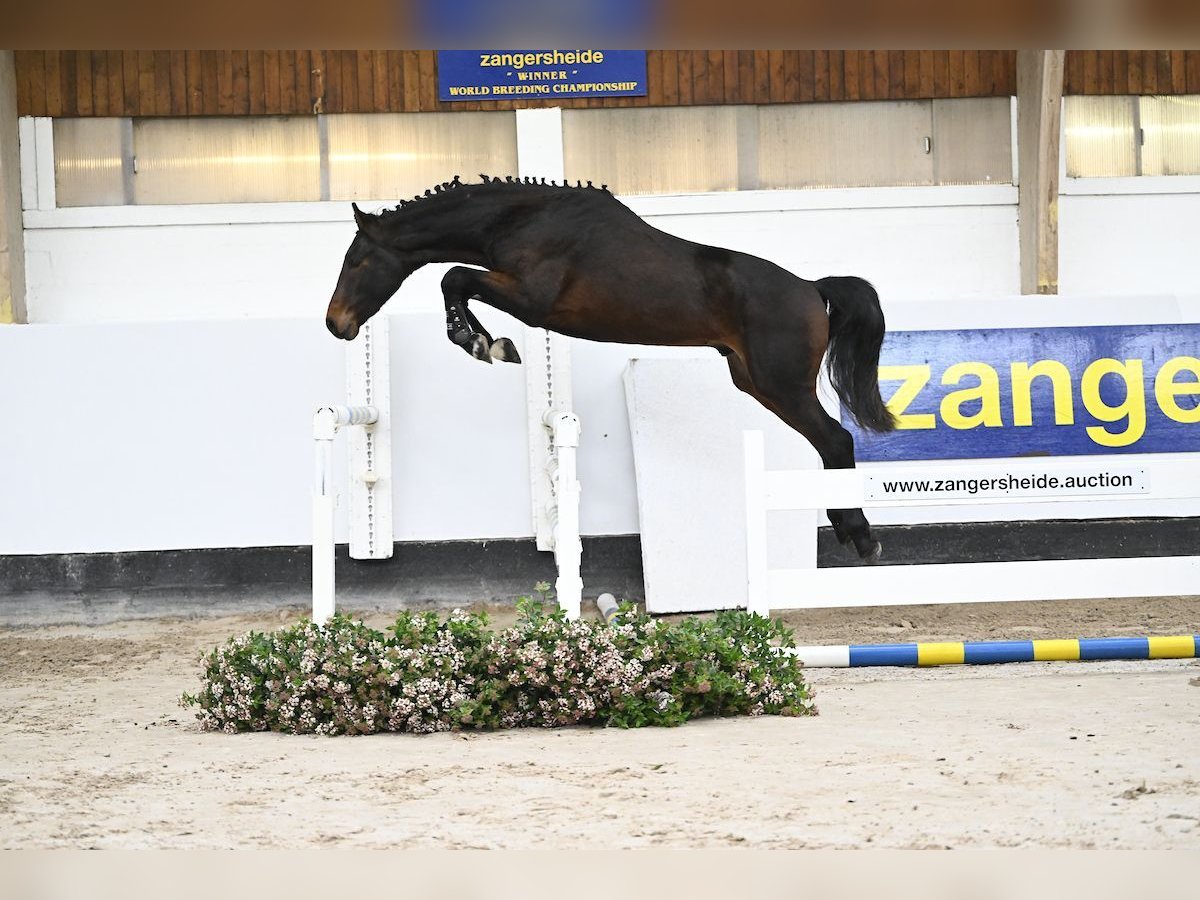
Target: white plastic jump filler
553, 439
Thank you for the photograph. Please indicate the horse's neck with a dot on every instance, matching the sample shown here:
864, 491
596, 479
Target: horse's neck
446, 228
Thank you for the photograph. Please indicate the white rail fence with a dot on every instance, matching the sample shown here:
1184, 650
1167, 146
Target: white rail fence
1110, 477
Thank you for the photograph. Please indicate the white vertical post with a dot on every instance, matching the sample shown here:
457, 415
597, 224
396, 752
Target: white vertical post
568, 548
370, 484
324, 429
757, 599
546, 358
43, 128
325, 426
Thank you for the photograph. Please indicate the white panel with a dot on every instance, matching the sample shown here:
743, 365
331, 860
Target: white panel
1099, 136
43, 129
845, 144
27, 135
687, 420
164, 436
89, 166
972, 141
672, 150
226, 160
1128, 244
1172, 129
398, 155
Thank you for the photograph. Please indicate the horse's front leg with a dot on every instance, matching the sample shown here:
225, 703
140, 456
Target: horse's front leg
462, 328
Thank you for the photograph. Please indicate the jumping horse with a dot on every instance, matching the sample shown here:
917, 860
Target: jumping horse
577, 261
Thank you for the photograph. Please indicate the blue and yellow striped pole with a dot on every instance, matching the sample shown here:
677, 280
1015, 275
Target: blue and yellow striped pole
946, 653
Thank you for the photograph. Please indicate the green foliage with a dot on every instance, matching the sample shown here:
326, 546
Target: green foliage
425, 674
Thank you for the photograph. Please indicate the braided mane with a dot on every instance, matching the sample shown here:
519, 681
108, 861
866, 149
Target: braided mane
507, 180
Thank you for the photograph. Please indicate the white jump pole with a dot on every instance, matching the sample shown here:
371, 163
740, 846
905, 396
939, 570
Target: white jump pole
568, 546
370, 483
326, 422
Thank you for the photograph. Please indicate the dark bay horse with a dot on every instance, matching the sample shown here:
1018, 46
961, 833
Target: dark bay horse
577, 261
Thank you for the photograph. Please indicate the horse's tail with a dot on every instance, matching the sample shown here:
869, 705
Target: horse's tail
855, 336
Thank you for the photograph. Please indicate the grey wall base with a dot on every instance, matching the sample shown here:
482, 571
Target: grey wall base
104, 587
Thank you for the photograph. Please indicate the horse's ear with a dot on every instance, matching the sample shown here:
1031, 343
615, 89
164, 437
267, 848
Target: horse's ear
364, 221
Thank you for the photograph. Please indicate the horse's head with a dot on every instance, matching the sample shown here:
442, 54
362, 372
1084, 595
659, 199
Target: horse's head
371, 273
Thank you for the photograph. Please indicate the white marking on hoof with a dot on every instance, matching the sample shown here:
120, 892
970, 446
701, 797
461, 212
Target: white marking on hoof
480, 349
504, 350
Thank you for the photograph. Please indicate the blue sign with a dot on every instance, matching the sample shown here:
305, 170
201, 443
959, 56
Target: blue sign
540, 74
450, 23
1011, 392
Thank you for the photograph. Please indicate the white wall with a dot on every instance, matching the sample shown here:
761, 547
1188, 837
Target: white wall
173, 421
1120, 236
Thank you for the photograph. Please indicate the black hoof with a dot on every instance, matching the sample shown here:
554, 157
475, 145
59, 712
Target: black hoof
873, 553
480, 349
504, 350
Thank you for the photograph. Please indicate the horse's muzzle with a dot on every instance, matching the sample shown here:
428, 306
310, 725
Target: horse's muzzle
346, 329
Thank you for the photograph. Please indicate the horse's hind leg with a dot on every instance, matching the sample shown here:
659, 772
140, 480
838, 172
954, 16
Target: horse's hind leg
788, 389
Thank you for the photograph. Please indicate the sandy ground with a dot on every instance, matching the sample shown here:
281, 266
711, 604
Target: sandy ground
97, 753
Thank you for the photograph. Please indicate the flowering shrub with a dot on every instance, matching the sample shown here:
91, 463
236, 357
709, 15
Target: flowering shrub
424, 674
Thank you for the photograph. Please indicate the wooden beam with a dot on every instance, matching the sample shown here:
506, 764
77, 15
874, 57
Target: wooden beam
1039, 124
12, 235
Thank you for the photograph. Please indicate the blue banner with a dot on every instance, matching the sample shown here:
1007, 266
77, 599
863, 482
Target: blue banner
540, 74
1011, 392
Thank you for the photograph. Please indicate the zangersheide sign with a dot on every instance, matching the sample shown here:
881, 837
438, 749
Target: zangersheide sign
547, 74
1010, 392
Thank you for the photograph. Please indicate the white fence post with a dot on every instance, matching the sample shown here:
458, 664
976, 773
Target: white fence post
757, 598
370, 486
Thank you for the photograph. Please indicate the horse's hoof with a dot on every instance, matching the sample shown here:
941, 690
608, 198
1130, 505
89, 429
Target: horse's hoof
504, 350
874, 552
480, 349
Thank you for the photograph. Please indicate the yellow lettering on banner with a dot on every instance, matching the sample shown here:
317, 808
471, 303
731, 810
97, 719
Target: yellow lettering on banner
1166, 389
1132, 409
1060, 379
914, 378
987, 392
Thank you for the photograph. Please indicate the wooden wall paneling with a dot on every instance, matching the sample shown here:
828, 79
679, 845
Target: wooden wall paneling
195, 88
177, 61
821, 70
256, 69
806, 88
99, 83
849, 75
941, 74
716, 76
971, 81
761, 66
866, 74
382, 86
1149, 72
668, 67
684, 75
1192, 61
1091, 72
412, 81
162, 82
730, 63
333, 80
289, 81
654, 79
427, 66
395, 73
272, 96
896, 74
210, 68
1163, 60
883, 75
364, 74
81, 65
837, 75
53, 81
1178, 72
